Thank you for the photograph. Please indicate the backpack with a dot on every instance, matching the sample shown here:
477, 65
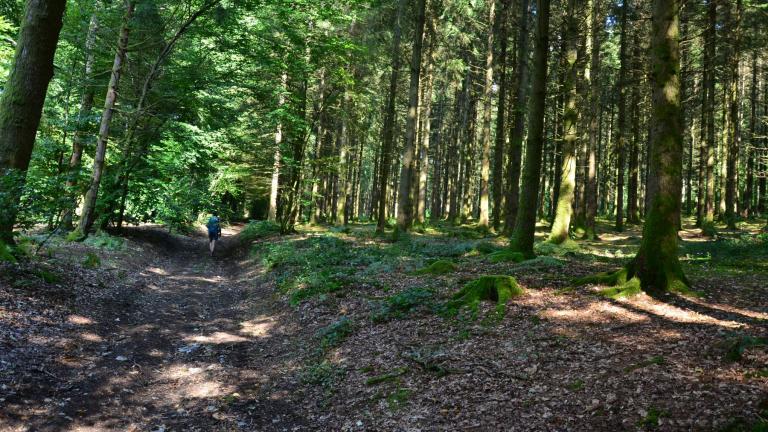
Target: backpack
213, 225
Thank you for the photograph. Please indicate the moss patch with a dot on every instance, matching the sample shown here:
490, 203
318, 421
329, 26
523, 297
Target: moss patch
499, 289
553, 249
486, 247
506, 255
438, 267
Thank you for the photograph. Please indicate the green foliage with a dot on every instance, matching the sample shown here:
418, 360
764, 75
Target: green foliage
47, 276
259, 229
651, 418
324, 373
576, 385
506, 255
103, 240
486, 247
92, 261
548, 248
336, 333
541, 263
498, 289
709, 229
6, 254
403, 303
438, 267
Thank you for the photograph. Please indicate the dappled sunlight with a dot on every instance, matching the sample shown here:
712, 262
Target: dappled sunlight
185, 278
91, 337
79, 320
157, 271
673, 313
595, 313
216, 338
730, 309
259, 327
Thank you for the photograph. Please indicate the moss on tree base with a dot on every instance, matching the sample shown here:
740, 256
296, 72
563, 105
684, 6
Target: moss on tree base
499, 289
625, 283
439, 267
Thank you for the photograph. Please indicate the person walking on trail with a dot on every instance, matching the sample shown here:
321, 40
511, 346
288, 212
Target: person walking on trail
214, 231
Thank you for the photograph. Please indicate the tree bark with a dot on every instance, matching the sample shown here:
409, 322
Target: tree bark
564, 212
519, 103
275, 183
525, 225
733, 116
501, 114
89, 207
21, 103
387, 142
621, 133
592, 76
485, 164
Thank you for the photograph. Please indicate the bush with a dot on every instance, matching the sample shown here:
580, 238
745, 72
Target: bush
103, 240
259, 229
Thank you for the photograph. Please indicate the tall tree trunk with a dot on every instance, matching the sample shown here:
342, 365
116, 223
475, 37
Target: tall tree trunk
426, 128
501, 113
89, 207
21, 102
519, 104
275, 183
750, 186
485, 164
710, 146
567, 183
633, 182
656, 264
78, 140
733, 101
525, 225
592, 76
387, 142
621, 133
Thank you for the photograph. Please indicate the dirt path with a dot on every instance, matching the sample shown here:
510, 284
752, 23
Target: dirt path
193, 345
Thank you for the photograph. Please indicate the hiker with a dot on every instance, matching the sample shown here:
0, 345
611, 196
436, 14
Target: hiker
214, 231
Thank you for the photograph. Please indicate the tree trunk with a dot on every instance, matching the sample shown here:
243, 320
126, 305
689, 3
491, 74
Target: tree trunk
501, 113
485, 164
592, 76
620, 141
710, 146
525, 225
89, 207
274, 186
519, 103
633, 182
567, 183
426, 130
733, 102
387, 142
78, 140
21, 103
656, 264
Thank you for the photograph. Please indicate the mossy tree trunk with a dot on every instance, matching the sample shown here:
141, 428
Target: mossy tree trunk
656, 265
21, 103
519, 102
564, 210
89, 207
525, 224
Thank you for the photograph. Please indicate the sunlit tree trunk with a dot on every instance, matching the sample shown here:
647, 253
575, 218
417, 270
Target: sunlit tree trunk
274, 185
525, 225
567, 183
89, 207
21, 102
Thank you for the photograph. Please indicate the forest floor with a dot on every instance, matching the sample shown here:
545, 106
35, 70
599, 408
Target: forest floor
337, 329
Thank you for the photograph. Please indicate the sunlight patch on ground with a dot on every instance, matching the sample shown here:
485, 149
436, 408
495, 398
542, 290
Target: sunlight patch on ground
595, 313
674, 313
214, 279
194, 382
90, 337
158, 271
731, 309
258, 327
79, 320
216, 338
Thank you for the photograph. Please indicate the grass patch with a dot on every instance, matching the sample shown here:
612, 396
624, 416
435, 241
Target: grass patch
506, 255
388, 377
551, 249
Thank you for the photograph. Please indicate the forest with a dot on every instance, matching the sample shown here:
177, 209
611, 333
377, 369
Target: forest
420, 215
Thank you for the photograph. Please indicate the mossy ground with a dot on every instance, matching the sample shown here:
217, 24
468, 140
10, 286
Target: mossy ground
494, 288
439, 267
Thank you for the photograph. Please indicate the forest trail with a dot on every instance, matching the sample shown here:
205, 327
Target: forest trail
188, 349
